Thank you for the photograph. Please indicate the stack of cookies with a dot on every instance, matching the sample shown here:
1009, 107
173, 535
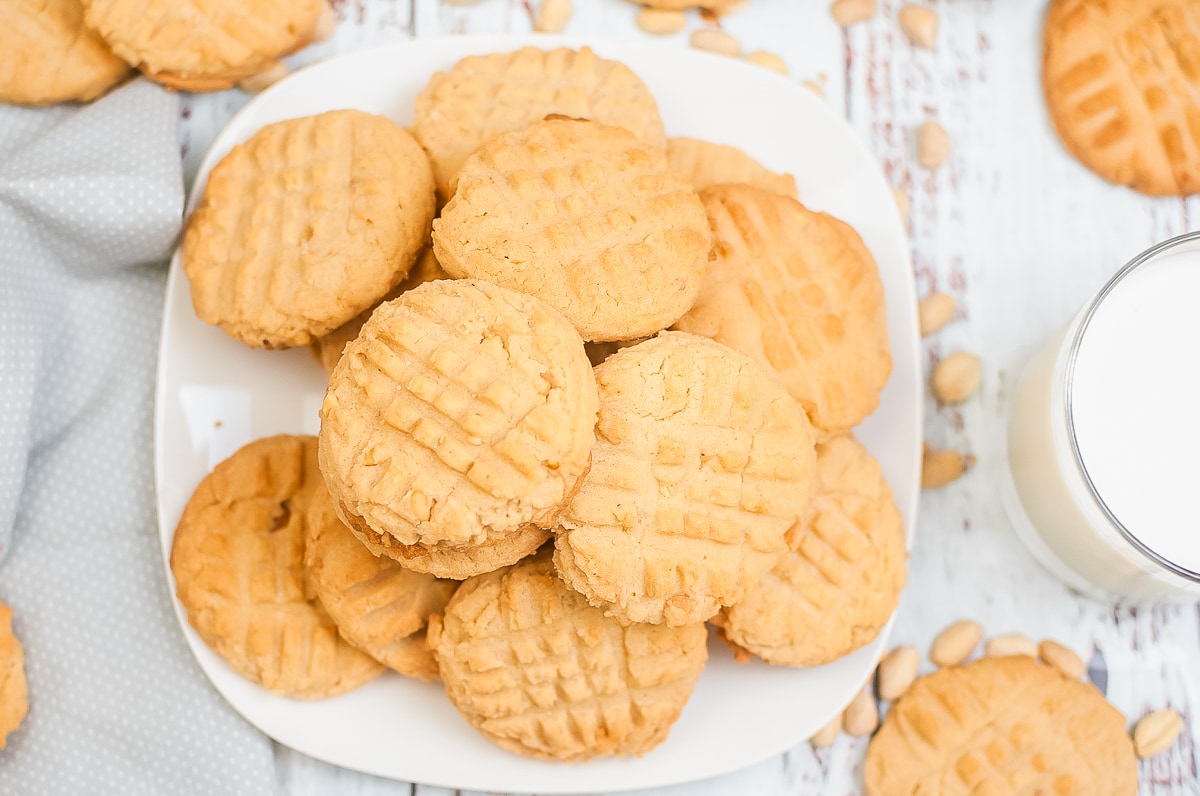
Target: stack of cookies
603, 398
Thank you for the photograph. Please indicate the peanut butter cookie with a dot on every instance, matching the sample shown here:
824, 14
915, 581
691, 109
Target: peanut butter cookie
48, 54
1122, 83
483, 96
800, 293
377, 605
205, 45
238, 560
702, 462
584, 216
305, 225
1001, 725
462, 410
840, 580
537, 670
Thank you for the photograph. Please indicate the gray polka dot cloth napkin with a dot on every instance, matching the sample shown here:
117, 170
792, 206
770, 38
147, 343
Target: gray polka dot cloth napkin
90, 205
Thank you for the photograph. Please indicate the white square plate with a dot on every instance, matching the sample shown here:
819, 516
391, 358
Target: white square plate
214, 395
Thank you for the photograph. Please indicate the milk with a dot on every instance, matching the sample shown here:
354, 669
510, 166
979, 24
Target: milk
1104, 436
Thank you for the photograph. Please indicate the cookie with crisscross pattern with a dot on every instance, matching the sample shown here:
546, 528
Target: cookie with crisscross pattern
482, 96
800, 293
238, 561
307, 224
48, 54
377, 605
840, 580
1001, 726
536, 669
584, 216
702, 462
461, 410
1122, 82
205, 45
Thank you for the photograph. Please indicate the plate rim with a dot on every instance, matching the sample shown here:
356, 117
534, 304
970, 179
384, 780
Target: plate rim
907, 501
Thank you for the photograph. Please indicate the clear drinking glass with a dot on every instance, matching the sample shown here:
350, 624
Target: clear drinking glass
1104, 436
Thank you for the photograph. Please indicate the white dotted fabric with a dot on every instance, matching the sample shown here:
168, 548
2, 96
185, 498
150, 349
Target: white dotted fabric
90, 206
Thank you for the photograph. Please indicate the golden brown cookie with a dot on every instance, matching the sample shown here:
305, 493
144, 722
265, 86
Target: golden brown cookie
701, 464
48, 54
14, 693
483, 96
704, 164
376, 604
1001, 726
839, 582
584, 216
328, 350
1122, 82
456, 561
799, 292
537, 670
461, 410
307, 224
204, 45
238, 560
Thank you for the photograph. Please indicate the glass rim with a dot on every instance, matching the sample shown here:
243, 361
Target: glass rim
1090, 310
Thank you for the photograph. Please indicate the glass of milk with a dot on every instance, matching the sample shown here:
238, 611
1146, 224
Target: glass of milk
1104, 436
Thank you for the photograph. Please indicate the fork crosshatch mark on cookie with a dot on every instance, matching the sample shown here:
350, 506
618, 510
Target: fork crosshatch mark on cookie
377, 605
702, 462
483, 96
1122, 82
461, 409
840, 580
584, 216
536, 669
238, 561
800, 293
307, 224
205, 45
998, 726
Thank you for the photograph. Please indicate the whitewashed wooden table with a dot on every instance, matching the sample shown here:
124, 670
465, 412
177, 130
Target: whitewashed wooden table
1013, 228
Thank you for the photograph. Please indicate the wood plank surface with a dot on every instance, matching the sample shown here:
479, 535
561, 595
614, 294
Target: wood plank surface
1018, 232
